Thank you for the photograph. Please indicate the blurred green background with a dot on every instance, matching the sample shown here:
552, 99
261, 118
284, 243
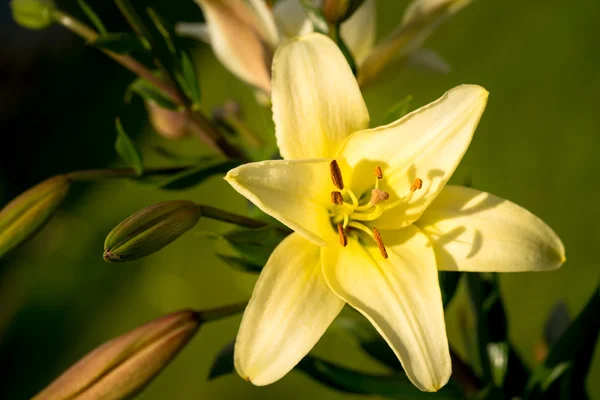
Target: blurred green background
537, 145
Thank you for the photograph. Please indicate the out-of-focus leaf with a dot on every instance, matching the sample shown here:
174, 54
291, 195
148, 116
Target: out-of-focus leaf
194, 176
149, 92
122, 43
255, 245
127, 150
316, 17
223, 362
344, 379
241, 264
369, 340
397, 111
557, 324
91, 14
166, 29
448, 284
564, 371
190, 79
134, 20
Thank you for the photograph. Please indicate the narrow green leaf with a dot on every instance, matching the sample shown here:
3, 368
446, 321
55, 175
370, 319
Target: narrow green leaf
397, 111
127, 149
121, 43
241, 264
448, 284
190, 79
94, 18
195, 176
135, 21
255, 245
149, 92
166, 29
567, 365
223, 362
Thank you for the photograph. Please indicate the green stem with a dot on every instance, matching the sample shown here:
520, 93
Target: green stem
115, 173
236, 219
221, 312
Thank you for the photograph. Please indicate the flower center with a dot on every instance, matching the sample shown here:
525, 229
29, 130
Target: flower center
350, 214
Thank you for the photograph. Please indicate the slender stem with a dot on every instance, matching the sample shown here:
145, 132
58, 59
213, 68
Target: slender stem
221, 312
226, 216
112, 173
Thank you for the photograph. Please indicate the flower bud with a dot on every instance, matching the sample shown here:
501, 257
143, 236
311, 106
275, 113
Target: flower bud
337, 11
124, 365
170, 124
150, 229
23, 217
33, 14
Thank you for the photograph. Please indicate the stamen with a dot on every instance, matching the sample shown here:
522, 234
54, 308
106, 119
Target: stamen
343, 237
378, 195
378, 172
380, 244
336, 175
417, 184
337, 198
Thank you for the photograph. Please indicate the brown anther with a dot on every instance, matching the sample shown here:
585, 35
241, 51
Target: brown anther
336, 175
417, 184
336, 198
380, 243
378, 195
343, 236
378, 172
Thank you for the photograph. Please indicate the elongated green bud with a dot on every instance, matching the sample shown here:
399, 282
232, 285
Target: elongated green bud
23, 217
150, 229
124, 365
33, 14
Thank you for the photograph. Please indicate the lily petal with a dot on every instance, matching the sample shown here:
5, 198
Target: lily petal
241, 39
296, 192
477, 231
359, 31
316, 100
427, 144
290, 309
400, 296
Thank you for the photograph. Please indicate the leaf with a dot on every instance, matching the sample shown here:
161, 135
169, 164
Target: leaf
134, 20
397, 111
91, 14
495, 353
255, 245
127, 150
557, 324
149, 92
343, 379
190, 79
241, 264
166, 29
223, 362
121, 43
448, 284
195, 176
567, 365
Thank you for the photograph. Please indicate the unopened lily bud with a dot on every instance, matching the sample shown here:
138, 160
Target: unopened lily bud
33, 14
170, 124
124, 365
337, 11
150, 229
23, 217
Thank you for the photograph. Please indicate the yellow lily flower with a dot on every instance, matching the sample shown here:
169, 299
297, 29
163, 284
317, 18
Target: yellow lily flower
373, 218
244, 34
